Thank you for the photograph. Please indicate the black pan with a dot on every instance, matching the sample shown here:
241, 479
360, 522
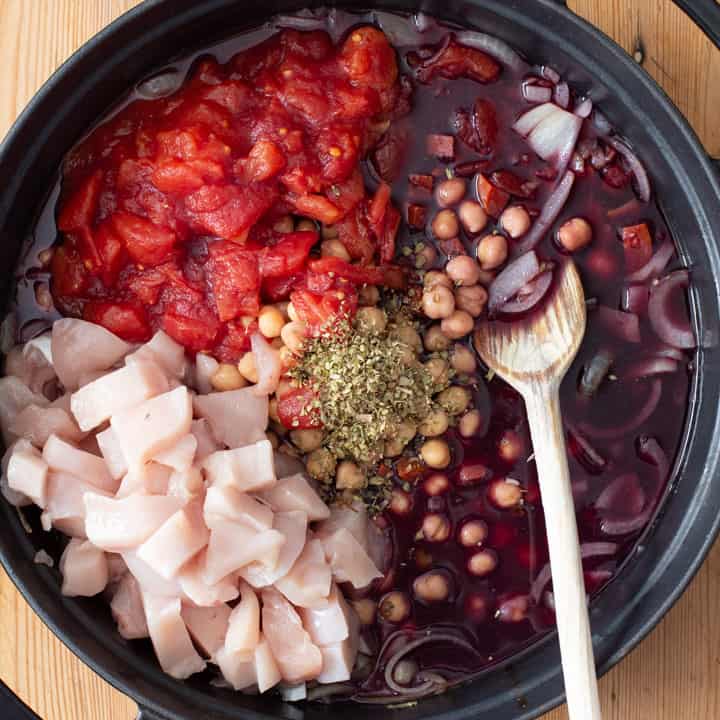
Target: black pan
689, 194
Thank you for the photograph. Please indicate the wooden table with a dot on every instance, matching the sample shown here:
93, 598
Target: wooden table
675, 673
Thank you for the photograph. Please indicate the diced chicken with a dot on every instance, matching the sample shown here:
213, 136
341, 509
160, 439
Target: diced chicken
293, 526
243, 633
309, 581
192, 582
186, 485
170, 638
247, 469
237, 668
32, 363
295, 493
12, 496
207, 626
117, 568
205, 368
180, 456
149, 479
236, 417
15, 396
338, 660
65, 508
177, 540
112, 453
206, 442
84, 569
61, 456
163, 351
286, 465
37, 424
149, 580
234, 545
226, 503
266, 669
348, 560
268, 364
329, 623
121, 524
119, 390
79, 347
297, 657
27, 473
127, 609
153, 426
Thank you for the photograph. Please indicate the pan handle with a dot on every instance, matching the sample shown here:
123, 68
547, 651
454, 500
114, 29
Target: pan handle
12, 708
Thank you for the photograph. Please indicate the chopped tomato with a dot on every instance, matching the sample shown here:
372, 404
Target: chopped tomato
388, 234
347, 194
174, 176
123, 319
492, 199
195, 333
111, 252
265, 161
354, 273
318, 207
338, 153
287, 256
379, 204
279, 288
234, 279
320, 312
637, 244
146, 243
369, 59
299, 409
69, 274
354, 234
78, 212
236, 341
233, 95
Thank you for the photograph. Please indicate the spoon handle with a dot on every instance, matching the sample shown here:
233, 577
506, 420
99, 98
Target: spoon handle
571, 610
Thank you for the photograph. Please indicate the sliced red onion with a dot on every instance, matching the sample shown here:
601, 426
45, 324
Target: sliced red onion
562, 95
587, 551
601, 123
623, 325
588, 456
512, 279
438, 53
268, 364
631, 206
643, 414
623, 493
550, 74
423, 23
584, 108
650, 451
650, 366
638, 169
635, 299
551, 132
553, 205
677, 333
530, 295
301, 22
536, 93
577, 164
655, 265
667, 351
493, 46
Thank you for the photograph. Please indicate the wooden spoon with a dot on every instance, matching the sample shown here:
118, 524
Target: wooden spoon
533, 356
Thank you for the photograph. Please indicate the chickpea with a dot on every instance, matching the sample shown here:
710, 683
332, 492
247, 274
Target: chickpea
436, 527
293, 335
321, 464
492, 251
445, 225
438, 302
472, 216
246, 367
292, 312
43, 296
472, 533
284, 224
369, 295
227, 377
436, 454
436, 277
307, 439
409, 335
349, 476
469, 423
365, 610
482, 563
394, 607
439, 371
435, 340
463, 360
454, 400
436, 423
273, 439
504, 494
306, 225
329, 232
472, 299
457, 325
334, 248
400, 502
436, 484
510, 446
450, 192
432, 586
513, 609
476, 607
272, 410
574, 234
398, 437
515, 221
425, 257
287, 358
423, 559
270, 321
371, 320
463, 270
45, 256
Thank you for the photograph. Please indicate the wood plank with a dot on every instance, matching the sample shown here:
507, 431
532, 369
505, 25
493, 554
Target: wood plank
675, 673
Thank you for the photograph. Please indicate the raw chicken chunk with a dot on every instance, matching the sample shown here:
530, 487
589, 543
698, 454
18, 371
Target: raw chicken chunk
192, 583
309, 580
37, 423
237, 417
180, 456
247, 469
226, 503
112, 453
127, 609
150, 479
163, 351
65, 508
205, 368
148, 579
15, 396
329, 623
295, 493
207, 626
266, 669
243, 634
32, 363
27, 473
349, 562
84, 569
63, 457
186, 485
206, 442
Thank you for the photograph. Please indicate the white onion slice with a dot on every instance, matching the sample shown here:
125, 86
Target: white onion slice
584, 108
551, 74
601, 123
677, 333
513, 278
554, 138
529, 120
493, 46
536, 93
642, 180
562, 95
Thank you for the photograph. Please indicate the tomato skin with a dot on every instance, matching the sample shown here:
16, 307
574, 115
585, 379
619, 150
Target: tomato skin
265, 161
288, 255
355, 274
125, 320
321, 311
278, 289
318, 207
234, 278
111, 252
296, 409
146, 243
78, 211
354, 234
235, 342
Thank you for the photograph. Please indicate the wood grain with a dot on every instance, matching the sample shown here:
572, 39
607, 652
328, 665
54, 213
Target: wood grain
675, 673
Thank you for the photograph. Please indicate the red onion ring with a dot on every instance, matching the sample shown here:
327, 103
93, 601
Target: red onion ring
562, 95
624, 489
679, 334
655, 265
667, 351
584, 108
552, 208
536, 291
513, 278
645, 412
493, 46
648, 367
551, 74
587, 551
436, 55
589, 457
536, 93
423, 22
601, 123
623, 325
638, 169
635, 299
